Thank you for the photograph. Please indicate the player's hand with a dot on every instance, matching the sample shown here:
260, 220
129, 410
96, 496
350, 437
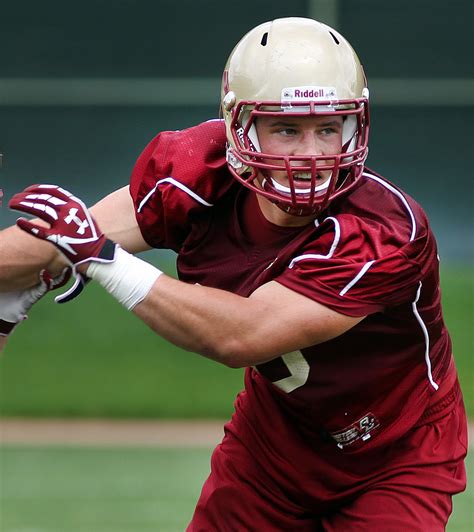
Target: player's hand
14, 306
71, 227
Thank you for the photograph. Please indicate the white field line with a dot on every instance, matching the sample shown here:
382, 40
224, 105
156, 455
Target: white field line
106, 432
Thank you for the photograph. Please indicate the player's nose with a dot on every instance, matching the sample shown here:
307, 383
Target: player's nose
308, 145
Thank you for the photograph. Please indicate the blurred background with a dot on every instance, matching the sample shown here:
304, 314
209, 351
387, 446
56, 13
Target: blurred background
85, 85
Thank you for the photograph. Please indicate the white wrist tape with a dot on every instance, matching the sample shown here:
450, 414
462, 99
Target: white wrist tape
128, 278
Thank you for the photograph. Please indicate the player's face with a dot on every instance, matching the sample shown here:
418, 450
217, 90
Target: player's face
302, 135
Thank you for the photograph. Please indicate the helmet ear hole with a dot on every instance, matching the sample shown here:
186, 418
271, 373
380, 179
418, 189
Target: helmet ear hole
263, 42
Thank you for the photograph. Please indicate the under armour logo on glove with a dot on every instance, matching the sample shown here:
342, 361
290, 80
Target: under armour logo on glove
71, 227
81, 224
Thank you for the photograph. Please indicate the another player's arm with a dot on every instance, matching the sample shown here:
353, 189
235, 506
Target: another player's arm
23, 256
238, 331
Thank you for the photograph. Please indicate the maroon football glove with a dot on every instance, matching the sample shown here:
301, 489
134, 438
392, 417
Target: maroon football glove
72, 229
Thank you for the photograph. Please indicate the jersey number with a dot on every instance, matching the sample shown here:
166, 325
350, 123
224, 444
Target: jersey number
299, 372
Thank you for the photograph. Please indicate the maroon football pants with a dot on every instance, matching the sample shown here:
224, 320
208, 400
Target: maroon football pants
412, 492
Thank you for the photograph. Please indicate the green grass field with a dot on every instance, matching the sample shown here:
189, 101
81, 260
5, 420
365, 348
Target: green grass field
57, 489
92, 358
100, 490
458, 304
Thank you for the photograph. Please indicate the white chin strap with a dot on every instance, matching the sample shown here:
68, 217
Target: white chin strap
252, 133
287, 190
349, 129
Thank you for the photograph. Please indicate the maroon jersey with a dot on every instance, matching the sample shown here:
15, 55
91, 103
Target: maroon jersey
372, 254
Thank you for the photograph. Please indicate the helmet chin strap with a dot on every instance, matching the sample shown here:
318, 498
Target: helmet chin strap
252, 133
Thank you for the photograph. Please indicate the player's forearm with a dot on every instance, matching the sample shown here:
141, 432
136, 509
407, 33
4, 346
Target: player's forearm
233, 330
220, 325
214, 323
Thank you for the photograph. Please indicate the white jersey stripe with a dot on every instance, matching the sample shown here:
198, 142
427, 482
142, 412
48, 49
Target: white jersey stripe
146, 198
177, 184
402, 199
337, 236
356, 278
427, 338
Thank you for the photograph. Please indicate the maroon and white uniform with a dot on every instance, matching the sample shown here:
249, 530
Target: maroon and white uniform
323, 424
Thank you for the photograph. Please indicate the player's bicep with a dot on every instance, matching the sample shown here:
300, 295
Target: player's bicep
115, 215
293, 321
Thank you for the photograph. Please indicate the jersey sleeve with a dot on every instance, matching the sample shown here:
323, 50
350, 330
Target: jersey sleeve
178, 176
357, 269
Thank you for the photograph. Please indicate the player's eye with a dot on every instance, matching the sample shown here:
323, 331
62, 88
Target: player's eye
288, 132
328, 131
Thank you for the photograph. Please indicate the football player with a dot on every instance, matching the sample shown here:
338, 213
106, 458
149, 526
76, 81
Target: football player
299, 263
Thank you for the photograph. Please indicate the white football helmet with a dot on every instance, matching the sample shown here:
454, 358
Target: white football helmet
298, 67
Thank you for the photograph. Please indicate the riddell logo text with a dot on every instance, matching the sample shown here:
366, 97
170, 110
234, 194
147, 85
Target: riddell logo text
309, 93
313, 92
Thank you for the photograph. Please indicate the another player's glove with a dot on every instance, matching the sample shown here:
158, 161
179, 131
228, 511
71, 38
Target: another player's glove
14, 306
72, 229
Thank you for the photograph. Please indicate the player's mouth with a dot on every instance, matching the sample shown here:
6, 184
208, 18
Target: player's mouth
302, 183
